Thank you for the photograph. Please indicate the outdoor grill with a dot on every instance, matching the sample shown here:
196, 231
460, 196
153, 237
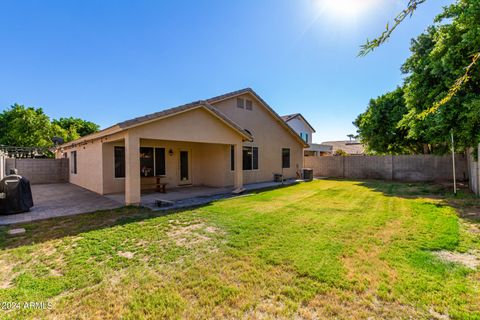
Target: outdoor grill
15, 195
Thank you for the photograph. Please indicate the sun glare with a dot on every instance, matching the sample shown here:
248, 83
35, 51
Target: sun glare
345, 9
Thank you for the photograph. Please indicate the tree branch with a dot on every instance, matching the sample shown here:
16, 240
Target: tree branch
369, 46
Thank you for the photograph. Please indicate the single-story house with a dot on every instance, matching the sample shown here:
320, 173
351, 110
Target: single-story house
228, 140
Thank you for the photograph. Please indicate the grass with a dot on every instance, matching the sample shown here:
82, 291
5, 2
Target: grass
330, 248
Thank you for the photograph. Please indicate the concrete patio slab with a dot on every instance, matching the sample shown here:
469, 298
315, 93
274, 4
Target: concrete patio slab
64, 199
185, 197
58, 200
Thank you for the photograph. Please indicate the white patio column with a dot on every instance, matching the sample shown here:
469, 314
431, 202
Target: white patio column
238, 173
132, 169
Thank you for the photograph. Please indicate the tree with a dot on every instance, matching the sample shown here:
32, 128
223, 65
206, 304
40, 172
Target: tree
433, 69
75, 127
30, 127
436, 63
26, 127
369, 46
379, 129
340, 152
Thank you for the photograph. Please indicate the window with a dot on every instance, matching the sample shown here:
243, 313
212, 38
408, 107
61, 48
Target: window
249, 105
73, 162
285, 158
146, 162
159, 161
240, 103
304, 136
152, 161
232, 158
250, 158
255, 158
119, 158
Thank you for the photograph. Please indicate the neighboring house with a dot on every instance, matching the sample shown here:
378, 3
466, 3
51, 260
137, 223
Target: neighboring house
224, 141
351, 147
319, 150
305, 130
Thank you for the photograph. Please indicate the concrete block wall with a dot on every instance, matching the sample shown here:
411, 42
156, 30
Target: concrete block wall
40, 171
474, 172
402, 168
2, 165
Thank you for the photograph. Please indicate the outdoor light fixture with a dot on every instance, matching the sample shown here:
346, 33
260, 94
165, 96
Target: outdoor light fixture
170, 152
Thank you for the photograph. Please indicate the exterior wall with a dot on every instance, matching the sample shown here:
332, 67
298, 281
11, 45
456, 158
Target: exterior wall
197, 125
89, 166
474, 172
402, 168
2, 165
300, 126
210, 164
40, 171
269, 136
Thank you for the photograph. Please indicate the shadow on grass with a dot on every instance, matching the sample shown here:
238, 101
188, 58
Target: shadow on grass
59, 227
465, 202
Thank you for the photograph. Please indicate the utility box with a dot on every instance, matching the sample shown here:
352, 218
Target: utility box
308, 174
277, 177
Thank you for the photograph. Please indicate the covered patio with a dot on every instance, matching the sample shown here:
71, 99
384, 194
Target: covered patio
193, 148
194, 195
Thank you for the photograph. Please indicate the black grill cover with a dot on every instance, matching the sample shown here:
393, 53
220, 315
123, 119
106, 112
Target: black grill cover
18, 195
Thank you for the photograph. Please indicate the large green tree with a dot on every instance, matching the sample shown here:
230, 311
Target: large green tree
379, 127
25, 126
76, 127
437, 61
30, 127
433, 109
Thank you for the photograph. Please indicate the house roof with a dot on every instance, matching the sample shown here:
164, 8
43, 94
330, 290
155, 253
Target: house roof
320, 147
351, 147
206, 104
289, 117
275, 115
122, 126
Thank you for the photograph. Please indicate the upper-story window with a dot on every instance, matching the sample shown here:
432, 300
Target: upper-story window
304, 136
240, 103
249, 105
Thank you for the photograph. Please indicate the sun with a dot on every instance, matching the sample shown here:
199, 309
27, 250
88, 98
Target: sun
345, 9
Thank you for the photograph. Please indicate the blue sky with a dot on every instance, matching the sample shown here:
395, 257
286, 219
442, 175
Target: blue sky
108, 61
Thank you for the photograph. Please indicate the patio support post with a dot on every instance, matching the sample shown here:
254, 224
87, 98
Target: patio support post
132, 169
238, 174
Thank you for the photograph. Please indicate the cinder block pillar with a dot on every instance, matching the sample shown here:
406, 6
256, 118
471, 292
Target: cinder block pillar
132, 169
238, 172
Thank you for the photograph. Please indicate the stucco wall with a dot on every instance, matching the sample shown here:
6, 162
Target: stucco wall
40, 171
269, 136
300, 126
208, 164
402, 168
89, 166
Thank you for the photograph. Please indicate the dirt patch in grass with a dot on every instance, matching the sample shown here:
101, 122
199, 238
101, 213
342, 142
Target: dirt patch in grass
191, 234
342, 305
127, 254
470, 260
6, 273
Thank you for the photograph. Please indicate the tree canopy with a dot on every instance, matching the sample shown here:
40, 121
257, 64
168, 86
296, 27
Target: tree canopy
30, 127
438, 59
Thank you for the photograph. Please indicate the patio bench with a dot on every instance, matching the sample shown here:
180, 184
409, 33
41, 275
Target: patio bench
154, 183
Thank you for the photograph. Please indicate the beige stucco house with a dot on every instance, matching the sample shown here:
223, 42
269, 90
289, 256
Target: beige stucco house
303, 128
228, 140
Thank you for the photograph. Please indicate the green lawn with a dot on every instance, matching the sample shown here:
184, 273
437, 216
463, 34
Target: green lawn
329, 248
